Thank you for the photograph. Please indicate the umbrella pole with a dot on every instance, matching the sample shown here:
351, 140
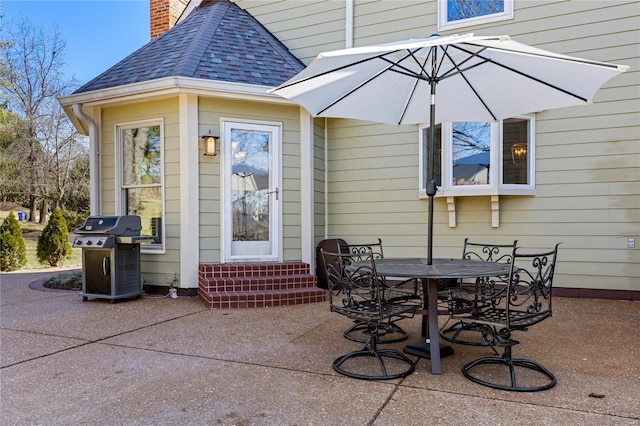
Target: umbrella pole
432, 187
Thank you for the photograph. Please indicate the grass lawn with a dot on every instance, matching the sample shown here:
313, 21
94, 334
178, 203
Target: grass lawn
31, 231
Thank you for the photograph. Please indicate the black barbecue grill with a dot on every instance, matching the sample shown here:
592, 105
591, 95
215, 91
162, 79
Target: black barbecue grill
110, 256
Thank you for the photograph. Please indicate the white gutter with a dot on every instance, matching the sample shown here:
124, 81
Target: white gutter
94, 160
171, 86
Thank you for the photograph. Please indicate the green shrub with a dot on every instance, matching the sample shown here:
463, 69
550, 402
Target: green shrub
74, 219
65, 281
53, 246
13, 253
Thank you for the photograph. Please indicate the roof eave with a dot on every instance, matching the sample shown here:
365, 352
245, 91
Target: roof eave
164, 87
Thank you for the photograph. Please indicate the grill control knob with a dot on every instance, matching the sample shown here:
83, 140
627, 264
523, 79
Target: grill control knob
99, 242
89, 242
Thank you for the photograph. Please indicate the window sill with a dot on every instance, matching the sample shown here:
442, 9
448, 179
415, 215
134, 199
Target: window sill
148, 249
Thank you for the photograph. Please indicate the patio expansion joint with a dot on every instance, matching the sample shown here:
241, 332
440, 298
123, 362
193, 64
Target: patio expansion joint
86, 342
511, 401
230, 361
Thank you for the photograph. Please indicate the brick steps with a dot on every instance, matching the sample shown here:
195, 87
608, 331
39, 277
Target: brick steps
257, 285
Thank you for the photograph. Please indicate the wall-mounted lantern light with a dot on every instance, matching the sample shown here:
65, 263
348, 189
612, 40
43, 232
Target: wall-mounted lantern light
210, 144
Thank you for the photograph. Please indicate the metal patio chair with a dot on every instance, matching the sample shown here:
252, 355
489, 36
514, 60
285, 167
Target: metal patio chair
467, 297
526, 302
361, 295
358, 331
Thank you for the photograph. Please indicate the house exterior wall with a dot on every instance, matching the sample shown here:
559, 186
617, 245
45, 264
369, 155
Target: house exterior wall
319, 177
587, 158
154, 267
211, 111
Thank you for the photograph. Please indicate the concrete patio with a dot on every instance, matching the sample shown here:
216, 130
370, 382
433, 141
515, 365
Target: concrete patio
174, 361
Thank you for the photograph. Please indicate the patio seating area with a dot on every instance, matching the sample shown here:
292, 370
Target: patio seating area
176, 361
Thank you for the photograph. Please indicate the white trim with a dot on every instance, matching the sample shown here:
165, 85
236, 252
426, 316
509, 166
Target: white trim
495, 186
444, 24
118, 202
170, 86
165, 88
306, 188
189, 191
95, 163
275, 184
187, 10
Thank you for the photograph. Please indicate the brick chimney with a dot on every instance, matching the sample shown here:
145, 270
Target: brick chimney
163, 14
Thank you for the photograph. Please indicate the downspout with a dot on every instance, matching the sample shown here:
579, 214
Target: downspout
326, 179
348, 36
94, 160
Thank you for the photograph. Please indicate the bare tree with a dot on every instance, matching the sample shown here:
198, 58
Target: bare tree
13, 158
32, 82
63, 146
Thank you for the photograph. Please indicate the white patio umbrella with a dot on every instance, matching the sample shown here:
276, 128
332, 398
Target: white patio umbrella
439, 79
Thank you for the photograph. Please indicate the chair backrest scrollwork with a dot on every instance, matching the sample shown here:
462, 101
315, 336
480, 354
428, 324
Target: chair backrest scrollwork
487, 251
530, 288
354, 291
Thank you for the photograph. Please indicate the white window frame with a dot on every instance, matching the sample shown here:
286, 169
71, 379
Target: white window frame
495, 186
444, 24
275, 184
120, 203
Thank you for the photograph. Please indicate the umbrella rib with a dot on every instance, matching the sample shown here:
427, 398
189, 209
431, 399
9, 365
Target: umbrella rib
461, 72
420, 76
356, 88
523, 74
392, 64
342, 67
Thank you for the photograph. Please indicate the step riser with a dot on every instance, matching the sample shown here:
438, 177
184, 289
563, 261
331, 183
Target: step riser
258, 285
253, 270
260, 300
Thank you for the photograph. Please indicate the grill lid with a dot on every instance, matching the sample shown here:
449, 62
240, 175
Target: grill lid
129, 225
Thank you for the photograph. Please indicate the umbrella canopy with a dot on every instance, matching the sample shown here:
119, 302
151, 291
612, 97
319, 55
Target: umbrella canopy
440, 79
478, 78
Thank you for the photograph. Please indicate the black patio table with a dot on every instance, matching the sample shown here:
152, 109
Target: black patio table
429, 275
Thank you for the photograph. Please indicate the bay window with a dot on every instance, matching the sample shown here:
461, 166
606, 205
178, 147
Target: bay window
481, 158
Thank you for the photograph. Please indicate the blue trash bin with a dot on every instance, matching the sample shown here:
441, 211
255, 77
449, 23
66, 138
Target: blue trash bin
22, 216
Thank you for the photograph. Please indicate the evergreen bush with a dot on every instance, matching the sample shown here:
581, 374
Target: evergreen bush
13, 253
53, 247
74, 219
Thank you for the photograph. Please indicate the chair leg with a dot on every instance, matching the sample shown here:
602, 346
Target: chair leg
381, 356
511, 364
461, 333
387, 333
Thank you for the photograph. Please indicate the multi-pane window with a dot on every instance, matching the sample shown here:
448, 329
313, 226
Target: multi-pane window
461, 13
141, 182
481, 158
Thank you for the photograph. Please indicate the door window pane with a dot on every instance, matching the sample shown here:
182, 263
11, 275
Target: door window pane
250, 184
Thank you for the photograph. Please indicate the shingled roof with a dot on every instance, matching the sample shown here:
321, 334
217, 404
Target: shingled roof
217, 41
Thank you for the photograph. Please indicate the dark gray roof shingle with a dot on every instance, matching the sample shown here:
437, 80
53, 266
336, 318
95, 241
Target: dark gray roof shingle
217, 41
